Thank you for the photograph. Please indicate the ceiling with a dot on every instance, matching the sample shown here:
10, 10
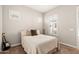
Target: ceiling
42, 8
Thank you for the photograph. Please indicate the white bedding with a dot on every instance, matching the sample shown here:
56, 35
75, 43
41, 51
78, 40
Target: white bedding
40, 44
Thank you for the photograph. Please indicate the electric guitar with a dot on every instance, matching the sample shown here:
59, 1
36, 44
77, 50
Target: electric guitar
5, 44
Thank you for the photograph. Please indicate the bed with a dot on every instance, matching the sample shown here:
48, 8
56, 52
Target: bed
38, 44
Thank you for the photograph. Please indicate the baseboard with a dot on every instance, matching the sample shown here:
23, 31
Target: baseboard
13, 45
69, 45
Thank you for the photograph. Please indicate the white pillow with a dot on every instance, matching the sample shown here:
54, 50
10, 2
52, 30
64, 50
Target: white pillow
28, 33
23, 33
38, 32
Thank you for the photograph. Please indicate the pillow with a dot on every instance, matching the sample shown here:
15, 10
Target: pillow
28, 33
33, 32
38, 32
25, 33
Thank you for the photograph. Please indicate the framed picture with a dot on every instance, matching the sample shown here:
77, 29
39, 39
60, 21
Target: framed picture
14, 15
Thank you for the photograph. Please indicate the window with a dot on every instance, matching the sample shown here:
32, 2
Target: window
52, 24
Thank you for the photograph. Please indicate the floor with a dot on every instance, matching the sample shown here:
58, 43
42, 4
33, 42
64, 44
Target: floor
63, 50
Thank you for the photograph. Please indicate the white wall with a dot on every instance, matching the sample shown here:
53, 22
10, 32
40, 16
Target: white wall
29, 19
0, 26
77, 13
66, 23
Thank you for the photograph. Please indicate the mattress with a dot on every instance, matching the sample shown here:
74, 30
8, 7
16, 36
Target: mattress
40, 44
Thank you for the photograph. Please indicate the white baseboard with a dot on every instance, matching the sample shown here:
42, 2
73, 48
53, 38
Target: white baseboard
68, 45
13, 45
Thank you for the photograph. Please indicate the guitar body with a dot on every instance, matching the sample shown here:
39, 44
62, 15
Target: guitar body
4, 46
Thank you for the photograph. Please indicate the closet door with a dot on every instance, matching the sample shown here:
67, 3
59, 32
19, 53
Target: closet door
0, 26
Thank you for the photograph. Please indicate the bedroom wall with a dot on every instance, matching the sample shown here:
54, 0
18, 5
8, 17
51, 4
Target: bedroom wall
0, 26
28, 19
66, 23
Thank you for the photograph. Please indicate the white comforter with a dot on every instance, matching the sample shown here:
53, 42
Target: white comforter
39, 44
